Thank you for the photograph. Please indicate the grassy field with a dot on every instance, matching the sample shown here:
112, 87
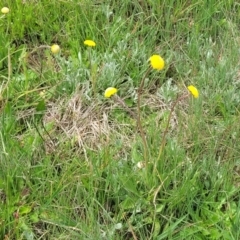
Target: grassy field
153, 161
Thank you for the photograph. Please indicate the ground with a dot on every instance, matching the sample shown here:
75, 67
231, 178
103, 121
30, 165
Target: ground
153, 161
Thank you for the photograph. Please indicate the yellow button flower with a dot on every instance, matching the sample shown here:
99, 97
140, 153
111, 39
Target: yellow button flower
157, 62
55, 48
110, 92
5, 10
193, 90
90, 43
42, 94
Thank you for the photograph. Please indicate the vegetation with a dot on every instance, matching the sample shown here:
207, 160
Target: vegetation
150, 162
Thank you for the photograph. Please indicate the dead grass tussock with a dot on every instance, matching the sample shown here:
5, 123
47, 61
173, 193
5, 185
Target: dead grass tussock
89, 125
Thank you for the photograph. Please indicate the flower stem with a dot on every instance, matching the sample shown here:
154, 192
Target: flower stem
163, 143
121, 102
139, 123
92, 73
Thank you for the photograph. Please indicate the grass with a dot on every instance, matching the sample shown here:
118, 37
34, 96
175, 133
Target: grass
75, 165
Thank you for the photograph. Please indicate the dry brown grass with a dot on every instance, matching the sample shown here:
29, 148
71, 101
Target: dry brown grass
88, 124
92, 125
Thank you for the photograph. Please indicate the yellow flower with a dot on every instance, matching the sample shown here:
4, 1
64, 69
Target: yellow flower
157, 62
109, 92
193, 91
141, 165
55, 48
42, 94
90, 43
5, 10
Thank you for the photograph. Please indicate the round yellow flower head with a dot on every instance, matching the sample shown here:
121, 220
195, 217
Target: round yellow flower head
5, 10
42, 94
90, 43
141, 165
55, 48
193, 91
110, 92
157, 62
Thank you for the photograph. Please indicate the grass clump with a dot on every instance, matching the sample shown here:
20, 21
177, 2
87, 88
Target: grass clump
158, 158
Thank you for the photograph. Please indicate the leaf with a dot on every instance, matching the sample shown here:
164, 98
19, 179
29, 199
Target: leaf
41, 107
128, 203
35, 217
29, 235
25, 210
169, 230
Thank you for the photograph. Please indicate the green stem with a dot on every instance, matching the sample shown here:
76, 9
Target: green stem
121, 102
92, 75
163, 143
139, 122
